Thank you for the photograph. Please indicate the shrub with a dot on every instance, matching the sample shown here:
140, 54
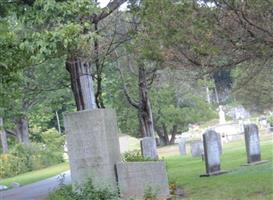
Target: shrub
86, 191
134, 156
11, 165
270, 120
24, 158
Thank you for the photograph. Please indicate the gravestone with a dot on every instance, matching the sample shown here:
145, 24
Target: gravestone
197, 148
212, 152
148, 148
93, 145
252, 142
136, 177
182, 148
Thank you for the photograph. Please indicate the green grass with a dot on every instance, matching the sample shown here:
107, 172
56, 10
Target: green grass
241, 183
31, 177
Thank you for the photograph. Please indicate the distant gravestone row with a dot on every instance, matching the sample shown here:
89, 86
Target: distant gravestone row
211, 149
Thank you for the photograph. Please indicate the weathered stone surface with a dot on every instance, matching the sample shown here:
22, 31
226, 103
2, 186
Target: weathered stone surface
182, 148
135, 177
93, 145
197, 148
252, 143
212, 151
148, 148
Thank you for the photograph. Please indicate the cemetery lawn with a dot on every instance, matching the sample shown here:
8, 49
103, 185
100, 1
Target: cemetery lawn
34, 176
241, 183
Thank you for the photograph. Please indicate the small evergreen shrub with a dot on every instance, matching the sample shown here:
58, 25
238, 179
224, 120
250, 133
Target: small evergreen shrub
134, 156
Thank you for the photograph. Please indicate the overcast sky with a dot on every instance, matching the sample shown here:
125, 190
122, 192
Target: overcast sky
103, 3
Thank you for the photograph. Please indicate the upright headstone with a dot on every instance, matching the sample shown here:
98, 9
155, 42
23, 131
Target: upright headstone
148, 148
182, 148
252, 143
212, 152
93, 145
197, 148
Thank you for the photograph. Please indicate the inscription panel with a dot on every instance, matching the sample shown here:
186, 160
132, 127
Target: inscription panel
93, 145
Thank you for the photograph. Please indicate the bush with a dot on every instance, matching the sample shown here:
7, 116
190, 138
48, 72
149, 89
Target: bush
270, 121
134, 156
11, 165
86, 191
24, 158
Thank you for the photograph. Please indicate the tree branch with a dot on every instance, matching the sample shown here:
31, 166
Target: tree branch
106, 11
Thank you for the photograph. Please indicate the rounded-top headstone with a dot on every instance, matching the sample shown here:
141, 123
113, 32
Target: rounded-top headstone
212, 151
252, 142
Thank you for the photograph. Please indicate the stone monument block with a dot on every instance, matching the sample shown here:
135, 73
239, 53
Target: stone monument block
148, 148
136, 177
182, 148
93, 145
197, 148
212, 152
252, 143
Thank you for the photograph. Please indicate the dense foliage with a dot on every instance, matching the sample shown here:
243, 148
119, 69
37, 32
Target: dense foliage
22, 158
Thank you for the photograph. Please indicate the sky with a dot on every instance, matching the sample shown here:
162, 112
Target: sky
103, 3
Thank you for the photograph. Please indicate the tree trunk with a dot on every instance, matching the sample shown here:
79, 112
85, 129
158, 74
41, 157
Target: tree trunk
174, 133
3, 137
160, 133
99, 69
208, 95
216, 95
166, 135
81, 83
22, 130
145, 110
58, 122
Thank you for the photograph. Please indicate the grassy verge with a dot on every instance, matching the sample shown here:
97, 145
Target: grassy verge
34, 176
241, 183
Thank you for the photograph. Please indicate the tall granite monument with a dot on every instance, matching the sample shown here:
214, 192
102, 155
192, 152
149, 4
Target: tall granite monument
93, 145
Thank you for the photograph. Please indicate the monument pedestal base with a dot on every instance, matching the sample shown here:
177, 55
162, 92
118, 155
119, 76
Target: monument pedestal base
134, 178
256, 163
214, 174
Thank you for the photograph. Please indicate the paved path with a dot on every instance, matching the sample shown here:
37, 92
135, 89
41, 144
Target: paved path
35, 191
